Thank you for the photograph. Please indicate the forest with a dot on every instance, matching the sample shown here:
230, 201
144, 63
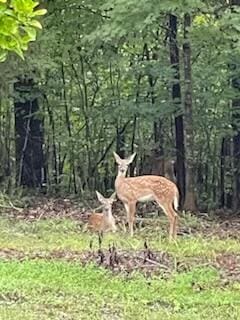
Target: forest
82, 81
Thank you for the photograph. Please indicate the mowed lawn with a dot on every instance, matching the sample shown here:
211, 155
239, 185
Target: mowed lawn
35, 287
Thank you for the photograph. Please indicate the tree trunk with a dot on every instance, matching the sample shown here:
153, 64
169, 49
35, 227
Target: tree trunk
236, 148
120, 142
176, 96
158, 152
190, 198
133, 164
222, 173
28, 136
236, 138
236, 187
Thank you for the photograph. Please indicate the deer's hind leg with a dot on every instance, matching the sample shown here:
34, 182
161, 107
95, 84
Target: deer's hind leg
172, 217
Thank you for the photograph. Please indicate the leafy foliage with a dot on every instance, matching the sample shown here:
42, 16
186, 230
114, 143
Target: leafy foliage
18, 24
103, 69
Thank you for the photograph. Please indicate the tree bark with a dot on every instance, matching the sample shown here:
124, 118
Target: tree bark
28, 136
236, 138
190, 198
176, 96
120, 142
222, 173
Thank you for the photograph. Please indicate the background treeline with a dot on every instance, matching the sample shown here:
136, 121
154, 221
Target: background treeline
160, 78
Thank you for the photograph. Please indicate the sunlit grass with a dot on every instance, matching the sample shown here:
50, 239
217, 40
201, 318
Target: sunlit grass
54, 289
53, 234
51, 290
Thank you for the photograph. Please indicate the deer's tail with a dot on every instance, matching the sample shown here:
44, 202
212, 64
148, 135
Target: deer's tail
176, 201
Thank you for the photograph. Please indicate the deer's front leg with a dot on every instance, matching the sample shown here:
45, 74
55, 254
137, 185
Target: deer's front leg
130, 209
127, 211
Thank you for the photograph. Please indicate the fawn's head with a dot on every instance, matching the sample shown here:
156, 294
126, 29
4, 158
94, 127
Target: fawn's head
108, 221
123, 163
107, 202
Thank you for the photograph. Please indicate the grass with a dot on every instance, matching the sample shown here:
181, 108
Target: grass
53, 289
49, 289
65, 234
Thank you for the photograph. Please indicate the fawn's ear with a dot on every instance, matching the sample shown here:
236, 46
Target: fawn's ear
117, 158
131, 158
100, 197
113, 197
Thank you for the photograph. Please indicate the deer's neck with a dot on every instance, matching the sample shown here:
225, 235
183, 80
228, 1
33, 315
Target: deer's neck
108, 214
120, 177
119, 182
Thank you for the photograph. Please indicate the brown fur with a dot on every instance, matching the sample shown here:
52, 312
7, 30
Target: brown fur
97, 222
103, 222
146, 188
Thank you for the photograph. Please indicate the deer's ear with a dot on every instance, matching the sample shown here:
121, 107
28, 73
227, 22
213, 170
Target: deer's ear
131, 158
113, 197
117, 158
100, 197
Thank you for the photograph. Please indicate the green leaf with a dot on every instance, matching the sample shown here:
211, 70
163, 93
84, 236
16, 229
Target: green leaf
31, 32
19, 52
8, 26
24, 6
40, 12
36, 24
3, 55
2, 8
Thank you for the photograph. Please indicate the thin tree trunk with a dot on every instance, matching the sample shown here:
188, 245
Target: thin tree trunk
52, 124
190, 199
120, 142
68, 124
9, 167
176, 96
157, 166
82, 88
133, 164
222, 173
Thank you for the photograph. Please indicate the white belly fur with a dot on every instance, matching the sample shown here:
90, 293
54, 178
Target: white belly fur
148, 197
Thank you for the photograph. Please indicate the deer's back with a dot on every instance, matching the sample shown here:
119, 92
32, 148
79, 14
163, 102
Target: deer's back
145, 188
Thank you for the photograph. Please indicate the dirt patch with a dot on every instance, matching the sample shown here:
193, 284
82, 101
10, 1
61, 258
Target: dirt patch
118, 261
123, 261
229, 265
213, 228
43, 208
11, 298
126, 262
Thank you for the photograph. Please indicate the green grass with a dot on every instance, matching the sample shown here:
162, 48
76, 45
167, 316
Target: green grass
49, 289
55, 234
40, 289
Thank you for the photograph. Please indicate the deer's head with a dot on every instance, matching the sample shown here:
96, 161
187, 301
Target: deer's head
107, 206
123, 164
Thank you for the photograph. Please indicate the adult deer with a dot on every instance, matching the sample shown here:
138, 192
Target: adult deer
104, 221
130, 190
